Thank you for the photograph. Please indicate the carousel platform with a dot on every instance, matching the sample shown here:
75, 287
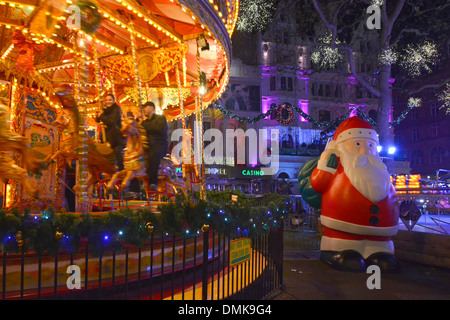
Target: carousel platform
112, 205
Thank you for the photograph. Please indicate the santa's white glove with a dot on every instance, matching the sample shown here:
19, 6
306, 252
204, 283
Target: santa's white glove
328, 160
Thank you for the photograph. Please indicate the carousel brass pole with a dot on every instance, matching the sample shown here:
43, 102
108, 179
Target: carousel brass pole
200, 133
180, 98
136, 69
111, 79
22, 132
82, 77
98, 86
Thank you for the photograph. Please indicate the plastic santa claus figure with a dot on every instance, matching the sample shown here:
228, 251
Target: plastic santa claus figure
359, 207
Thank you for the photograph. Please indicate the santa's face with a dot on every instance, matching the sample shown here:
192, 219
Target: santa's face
361, 146
364, 168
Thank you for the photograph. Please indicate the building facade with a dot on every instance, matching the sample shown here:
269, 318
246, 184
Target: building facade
424, 135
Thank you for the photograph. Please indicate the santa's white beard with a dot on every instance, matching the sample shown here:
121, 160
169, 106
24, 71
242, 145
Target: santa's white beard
368, 174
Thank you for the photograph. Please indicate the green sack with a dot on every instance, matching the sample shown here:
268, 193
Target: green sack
311, 197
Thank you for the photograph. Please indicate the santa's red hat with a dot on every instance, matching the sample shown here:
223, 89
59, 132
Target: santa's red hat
355, 127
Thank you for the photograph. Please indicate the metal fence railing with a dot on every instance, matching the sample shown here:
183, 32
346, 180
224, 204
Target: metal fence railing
302, 226
167, 267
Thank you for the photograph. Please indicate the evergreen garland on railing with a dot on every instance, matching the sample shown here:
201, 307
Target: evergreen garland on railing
51, 231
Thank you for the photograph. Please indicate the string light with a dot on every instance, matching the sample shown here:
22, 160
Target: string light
444, 97
377, 3
111, 17
7, 51
388, 57
418, 59
324, 56
148, 19
254, 15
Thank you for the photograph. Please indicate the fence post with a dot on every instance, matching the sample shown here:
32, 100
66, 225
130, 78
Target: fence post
205, 230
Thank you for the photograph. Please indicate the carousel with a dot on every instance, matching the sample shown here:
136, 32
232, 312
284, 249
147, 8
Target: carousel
60, 58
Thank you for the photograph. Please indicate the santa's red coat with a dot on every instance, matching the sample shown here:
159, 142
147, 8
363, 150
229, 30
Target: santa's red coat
347, 214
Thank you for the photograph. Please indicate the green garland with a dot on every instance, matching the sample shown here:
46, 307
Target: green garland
322, 125
51, 231
326, 125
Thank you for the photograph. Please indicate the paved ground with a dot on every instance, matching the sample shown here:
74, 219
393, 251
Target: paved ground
307, 278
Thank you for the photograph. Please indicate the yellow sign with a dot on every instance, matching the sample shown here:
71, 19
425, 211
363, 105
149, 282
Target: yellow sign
239, 251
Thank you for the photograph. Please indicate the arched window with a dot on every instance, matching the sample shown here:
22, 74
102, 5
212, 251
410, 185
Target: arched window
283, 175
437, 155
417, 158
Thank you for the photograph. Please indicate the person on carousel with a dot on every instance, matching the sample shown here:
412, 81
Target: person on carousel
156, 129
111, 117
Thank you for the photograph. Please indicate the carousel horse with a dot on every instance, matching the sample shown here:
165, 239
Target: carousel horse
167, 177
134, 160
190, 170
135, 163
100, 156
10, 143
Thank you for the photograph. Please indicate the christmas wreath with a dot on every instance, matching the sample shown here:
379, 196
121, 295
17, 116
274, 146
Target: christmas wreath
285, 114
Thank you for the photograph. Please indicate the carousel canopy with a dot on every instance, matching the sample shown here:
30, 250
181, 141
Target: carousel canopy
148, 50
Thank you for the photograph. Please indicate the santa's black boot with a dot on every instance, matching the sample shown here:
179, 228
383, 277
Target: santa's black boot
347, 260
387, 262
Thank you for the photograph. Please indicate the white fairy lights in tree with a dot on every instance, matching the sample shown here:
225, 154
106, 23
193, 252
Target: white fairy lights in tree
377, 3
415, 102
444, 97
254, 15
388, 57
324, 56
419, 59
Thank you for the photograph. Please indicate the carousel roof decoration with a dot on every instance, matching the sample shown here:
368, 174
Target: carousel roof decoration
136, 49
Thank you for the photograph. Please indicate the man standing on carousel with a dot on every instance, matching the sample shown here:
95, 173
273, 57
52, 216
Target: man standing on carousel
155, 126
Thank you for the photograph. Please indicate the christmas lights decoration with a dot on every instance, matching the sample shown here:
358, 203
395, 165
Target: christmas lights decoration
50, 231
325, 125
412, 103
254, 15
322, 124
445, 98
377, 3
324, 56
418, 59
388, 57
285, 110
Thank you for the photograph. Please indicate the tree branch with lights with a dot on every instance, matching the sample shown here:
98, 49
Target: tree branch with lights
415, 58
